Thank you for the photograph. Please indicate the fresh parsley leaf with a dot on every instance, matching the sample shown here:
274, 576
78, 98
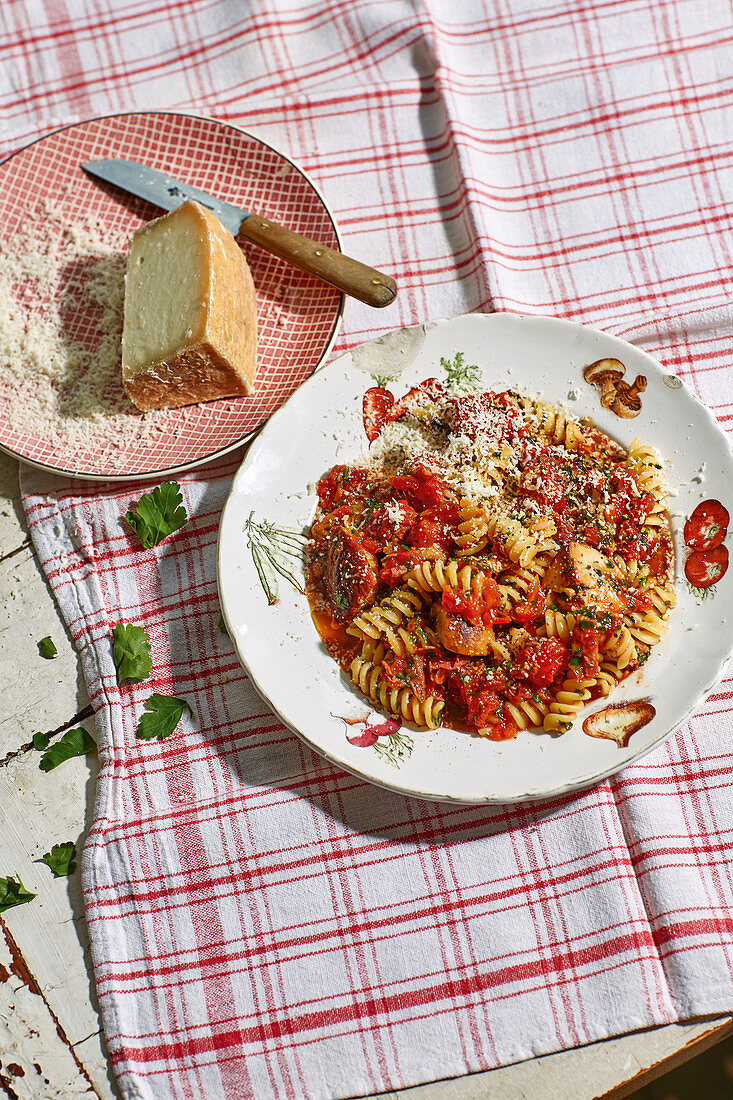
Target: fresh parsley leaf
76, 742
13, 892
158, 514
131, 653
40, 741
61, 859
164, 712
222, 626
46, 648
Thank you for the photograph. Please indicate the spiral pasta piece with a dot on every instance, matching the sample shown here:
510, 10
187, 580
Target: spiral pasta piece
493, 469
373, 650
403, 702
514, 587
559, 624
553, 422
621, 647
387, 620
516, 541
635, 573
568, 701
527, 714
647, 465
663, 598
648, 627
657, 517
437, 576
540, 563
608, 676
473, 528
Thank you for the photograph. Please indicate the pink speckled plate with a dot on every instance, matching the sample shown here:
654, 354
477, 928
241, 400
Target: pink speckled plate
298, 316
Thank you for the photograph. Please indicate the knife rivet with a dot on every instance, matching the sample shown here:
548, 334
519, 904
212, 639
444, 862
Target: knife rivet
264, 225
319, 252
377, 282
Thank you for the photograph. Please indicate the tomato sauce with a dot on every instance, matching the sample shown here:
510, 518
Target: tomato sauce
501, 642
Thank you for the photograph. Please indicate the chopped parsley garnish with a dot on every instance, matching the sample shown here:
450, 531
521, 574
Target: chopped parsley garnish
131, 653
163, 713
76, 742
47, 649
12, 893
61, 859
158, 514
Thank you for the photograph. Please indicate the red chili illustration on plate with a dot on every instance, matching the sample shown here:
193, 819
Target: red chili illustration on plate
376, 405
704, 533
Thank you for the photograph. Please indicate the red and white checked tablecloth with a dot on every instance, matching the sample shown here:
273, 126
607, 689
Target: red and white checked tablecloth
263, 924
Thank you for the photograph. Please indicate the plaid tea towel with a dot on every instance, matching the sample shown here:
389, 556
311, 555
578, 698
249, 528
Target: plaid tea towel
262, 924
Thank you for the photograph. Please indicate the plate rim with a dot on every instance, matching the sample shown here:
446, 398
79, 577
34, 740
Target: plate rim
580, 783
213, 456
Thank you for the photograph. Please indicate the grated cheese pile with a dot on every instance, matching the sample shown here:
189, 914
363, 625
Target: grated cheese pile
463, 454
61, 311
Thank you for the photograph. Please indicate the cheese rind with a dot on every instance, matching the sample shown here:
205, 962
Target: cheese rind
190, 329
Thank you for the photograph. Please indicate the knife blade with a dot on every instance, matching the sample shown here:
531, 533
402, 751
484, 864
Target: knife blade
374, 288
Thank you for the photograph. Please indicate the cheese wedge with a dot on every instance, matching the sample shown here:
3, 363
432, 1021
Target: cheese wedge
190, 329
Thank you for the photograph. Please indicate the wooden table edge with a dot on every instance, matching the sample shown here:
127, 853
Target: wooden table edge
719, 1031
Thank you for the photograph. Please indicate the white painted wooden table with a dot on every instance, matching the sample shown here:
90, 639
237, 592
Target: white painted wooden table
51, 1045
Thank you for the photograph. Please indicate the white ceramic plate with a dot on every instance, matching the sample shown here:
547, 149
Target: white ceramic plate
321, 424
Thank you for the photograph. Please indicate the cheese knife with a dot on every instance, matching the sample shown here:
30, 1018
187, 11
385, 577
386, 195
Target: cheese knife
354, 278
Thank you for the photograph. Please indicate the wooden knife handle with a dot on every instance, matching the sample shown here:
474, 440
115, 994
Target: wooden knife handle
349, 275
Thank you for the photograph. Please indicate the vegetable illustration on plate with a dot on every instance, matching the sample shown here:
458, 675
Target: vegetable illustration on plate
619, 721
387, 737
704, 533
607, 375
273, 548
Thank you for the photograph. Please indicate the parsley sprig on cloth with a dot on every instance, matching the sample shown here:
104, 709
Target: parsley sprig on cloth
158, 514
131, 653
163, 713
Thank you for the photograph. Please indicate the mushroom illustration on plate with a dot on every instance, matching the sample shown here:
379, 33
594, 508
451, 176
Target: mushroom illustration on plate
622, 398
619, 721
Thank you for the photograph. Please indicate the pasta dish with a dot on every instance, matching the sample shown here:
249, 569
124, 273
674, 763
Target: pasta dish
490, 564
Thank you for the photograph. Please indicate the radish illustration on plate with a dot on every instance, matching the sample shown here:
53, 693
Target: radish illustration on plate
386, 737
